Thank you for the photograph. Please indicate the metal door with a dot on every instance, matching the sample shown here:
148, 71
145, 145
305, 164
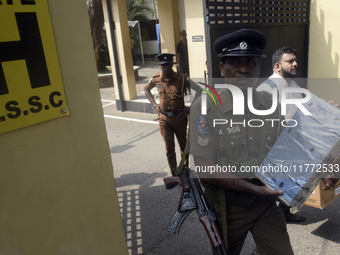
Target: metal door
285, 23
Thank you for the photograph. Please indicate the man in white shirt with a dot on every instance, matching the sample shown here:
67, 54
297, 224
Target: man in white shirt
285, 67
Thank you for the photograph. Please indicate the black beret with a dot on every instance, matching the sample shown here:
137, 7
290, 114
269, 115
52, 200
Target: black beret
165, 58
243, 42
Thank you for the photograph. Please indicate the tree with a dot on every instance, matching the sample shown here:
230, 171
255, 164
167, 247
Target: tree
137, 10
96, 16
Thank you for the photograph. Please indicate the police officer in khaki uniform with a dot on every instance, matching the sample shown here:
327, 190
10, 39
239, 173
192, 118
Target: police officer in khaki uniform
239, 199
173, 114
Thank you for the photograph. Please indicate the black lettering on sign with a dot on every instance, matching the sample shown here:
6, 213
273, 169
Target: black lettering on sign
27, 2
54, 103
9, 2
29, 48
23, 2
10, 106
33, 101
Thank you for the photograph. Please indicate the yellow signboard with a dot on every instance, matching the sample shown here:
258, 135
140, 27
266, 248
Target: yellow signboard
31, 89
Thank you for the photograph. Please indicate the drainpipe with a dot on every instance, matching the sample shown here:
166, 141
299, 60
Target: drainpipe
115, 58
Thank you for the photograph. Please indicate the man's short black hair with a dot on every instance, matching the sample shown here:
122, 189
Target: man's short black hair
279, 52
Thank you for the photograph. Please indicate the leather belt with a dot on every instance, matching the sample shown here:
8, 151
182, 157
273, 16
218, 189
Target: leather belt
169, 114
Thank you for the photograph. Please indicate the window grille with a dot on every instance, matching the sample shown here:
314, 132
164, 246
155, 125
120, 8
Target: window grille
257, 12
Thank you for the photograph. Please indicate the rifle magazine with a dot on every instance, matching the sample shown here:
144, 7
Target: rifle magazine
178, 218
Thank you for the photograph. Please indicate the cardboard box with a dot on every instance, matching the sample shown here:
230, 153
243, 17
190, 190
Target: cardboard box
320, 198
303, 152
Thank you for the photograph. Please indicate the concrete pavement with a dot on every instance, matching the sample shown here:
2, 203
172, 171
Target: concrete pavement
139, 162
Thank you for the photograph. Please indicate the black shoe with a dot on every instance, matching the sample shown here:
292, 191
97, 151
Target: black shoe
293, 217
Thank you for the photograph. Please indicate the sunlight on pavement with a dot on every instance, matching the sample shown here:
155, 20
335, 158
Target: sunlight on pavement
128, 198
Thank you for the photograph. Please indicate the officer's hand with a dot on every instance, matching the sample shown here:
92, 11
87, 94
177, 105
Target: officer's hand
184, 112
157, 107
330, 180
334, 104
267, 192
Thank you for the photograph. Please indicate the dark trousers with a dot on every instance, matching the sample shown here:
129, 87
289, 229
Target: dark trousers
263, 219
169, 128
134, 58
185, 70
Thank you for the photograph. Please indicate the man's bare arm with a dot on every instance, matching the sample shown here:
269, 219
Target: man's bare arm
148, 94
179, 61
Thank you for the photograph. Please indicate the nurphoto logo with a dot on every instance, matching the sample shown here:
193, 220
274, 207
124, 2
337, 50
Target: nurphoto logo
238, 100
239, 103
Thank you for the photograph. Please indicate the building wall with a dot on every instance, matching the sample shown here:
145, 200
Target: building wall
57, 189
123, 50
323, 49
195, 26
169, 25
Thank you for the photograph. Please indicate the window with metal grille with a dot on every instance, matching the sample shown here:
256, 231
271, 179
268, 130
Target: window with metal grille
241, 12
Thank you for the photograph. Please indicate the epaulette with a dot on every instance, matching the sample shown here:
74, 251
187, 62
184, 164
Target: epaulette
154, 76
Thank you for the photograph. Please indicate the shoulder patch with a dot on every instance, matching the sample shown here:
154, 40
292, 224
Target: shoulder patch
202, 125
188, 79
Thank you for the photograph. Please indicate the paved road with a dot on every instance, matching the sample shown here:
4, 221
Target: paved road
139, 162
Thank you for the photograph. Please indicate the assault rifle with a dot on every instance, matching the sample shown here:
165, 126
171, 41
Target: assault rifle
192, 198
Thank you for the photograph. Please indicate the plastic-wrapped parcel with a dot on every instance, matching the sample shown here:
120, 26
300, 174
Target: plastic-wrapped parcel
304, 152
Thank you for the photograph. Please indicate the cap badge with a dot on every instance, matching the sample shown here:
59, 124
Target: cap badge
243, 45
165, 57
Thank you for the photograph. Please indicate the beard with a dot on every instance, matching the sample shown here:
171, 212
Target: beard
288, 74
